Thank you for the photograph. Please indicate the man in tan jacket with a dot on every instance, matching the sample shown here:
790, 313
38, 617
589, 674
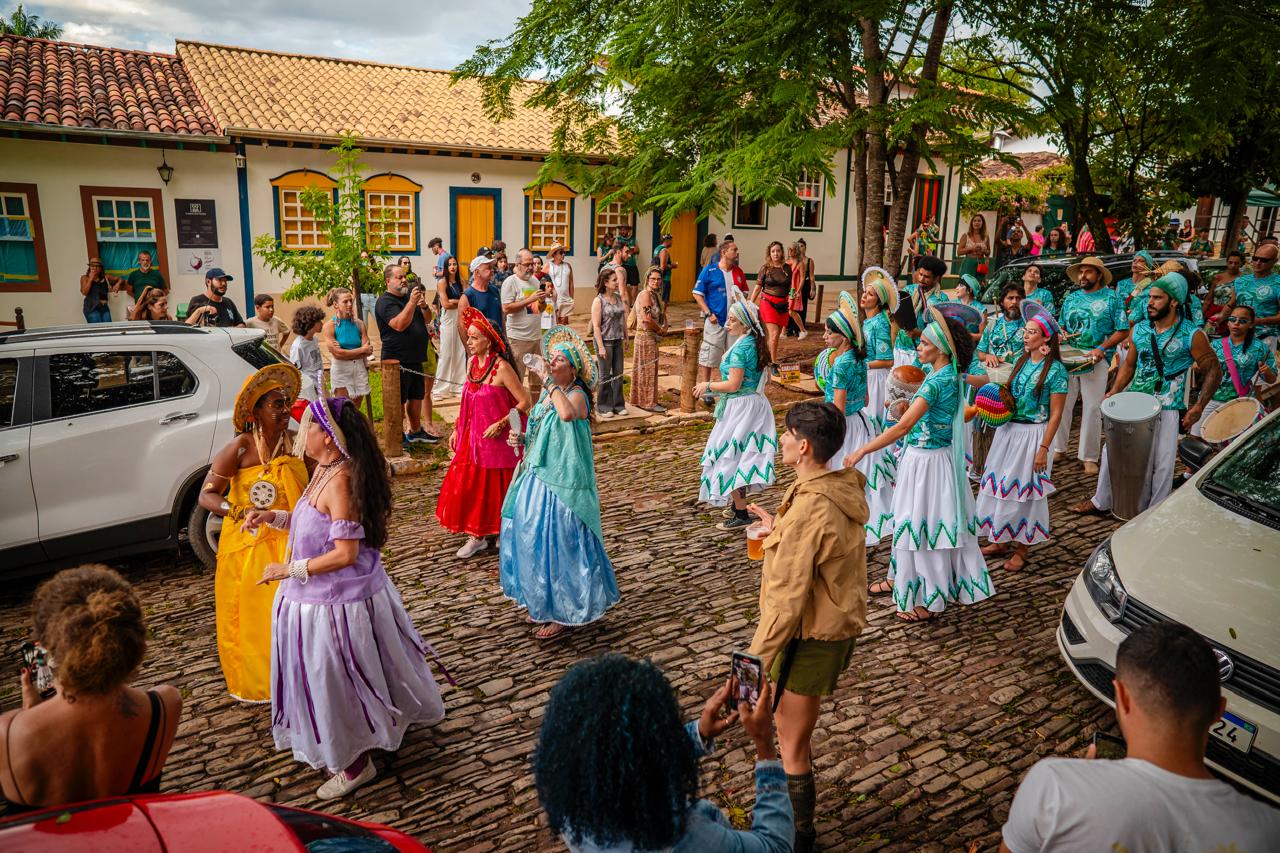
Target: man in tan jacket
813, 590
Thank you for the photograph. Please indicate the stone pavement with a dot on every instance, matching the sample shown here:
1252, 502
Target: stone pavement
921, 748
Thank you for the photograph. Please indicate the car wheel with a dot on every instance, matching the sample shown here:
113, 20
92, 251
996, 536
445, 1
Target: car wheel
203, 530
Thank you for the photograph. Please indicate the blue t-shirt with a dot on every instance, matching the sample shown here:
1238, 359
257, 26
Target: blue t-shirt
1174, 346
1030, 407
1003, 338
850, 373
1263, 295
1248, 362
488, 303
1044, 296
1091, 318
876, 333
711, 287
941, 392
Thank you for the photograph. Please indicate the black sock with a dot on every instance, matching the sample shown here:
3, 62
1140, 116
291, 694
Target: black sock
804, 796
741, 513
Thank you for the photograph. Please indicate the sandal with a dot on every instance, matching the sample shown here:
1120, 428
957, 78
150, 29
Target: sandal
995, 549
881, 588
551, 629
1087, 507
914, 615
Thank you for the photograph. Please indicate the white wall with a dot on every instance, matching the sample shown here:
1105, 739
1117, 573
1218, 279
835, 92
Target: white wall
59, 169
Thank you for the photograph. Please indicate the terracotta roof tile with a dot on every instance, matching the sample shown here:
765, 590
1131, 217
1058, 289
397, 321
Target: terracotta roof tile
1030, 163
74, 85
289, 95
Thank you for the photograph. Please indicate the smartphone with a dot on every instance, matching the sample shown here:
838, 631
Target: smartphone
1109, 746
748, 671
33, 659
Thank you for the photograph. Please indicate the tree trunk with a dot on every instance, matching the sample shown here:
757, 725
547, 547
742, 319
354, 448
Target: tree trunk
861, 199
1086, 197
873, 233
1235, 214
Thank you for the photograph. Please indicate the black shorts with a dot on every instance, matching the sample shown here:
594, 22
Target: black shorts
633, 275
412, 385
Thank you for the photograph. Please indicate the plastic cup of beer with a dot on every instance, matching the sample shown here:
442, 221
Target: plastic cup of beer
756, 534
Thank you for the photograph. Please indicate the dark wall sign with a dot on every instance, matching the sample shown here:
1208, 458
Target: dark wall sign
197, 223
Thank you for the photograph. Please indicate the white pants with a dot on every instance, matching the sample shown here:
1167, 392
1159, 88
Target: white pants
1164, 453
1212, 406
1090, 386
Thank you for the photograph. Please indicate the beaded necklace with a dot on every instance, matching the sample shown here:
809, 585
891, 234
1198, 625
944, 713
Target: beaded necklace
489, 366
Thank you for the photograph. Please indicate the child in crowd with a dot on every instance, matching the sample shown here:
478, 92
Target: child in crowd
264, 307
305, 352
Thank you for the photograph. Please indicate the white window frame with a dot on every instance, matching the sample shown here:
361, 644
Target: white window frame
550, 222
137, 234
812, 192
397, 239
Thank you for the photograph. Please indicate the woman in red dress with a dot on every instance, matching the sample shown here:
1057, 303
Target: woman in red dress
483, 463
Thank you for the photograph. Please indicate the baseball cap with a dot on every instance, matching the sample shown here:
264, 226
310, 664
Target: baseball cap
217, 272
479, 261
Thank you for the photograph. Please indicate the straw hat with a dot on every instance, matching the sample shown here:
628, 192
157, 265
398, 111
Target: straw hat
286, 377
1073, 271
475, 317
564, 340
878, 280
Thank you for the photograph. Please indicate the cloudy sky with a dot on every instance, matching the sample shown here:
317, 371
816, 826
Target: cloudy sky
431, 34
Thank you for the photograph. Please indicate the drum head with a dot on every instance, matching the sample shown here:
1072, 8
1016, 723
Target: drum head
1131, 407
1074, 357
907, 374
1000, 374
1231, 419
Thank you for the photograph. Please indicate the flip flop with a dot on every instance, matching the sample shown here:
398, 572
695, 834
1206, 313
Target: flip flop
551, 629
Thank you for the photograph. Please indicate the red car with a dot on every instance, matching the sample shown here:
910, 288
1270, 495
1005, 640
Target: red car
207, 821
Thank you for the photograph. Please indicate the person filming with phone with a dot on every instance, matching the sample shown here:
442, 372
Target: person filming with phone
616, 767
96, 735
813, 590
1160, 796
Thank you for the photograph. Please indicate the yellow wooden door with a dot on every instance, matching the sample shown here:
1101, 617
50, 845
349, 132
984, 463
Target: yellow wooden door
475, 224
684, 251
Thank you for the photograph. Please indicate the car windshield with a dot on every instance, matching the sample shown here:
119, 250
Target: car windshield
258, 352
1251, 472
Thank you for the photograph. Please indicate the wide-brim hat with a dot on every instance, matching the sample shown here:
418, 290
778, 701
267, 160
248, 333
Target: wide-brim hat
1032, 310
845, 317
882, 283
965, 315
284, 376
1073, 271
566, 340
475, 317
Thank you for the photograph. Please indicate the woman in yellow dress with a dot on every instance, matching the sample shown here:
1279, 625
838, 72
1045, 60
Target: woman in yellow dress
257, 470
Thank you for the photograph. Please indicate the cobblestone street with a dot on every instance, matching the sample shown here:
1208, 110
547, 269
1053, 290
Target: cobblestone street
922, 748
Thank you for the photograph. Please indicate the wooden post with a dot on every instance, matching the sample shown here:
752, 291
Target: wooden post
689, 365
820, 320
392, 411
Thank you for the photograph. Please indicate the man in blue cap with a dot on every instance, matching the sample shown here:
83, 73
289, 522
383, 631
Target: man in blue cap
225, 312
1162, 350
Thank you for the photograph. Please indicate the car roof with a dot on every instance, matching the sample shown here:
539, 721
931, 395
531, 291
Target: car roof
1108, 260
82, 333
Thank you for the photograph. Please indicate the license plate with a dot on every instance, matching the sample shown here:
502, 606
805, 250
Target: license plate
1234, 732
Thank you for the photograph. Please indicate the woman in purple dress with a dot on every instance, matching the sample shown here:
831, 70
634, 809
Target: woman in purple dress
348, 670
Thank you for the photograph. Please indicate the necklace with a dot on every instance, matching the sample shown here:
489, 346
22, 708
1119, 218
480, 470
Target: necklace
485, 371
324, 473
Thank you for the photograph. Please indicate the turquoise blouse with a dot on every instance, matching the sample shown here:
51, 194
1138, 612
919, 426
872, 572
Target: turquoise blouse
876, 332
850, 373
940, 391
1248, 363
1033, 408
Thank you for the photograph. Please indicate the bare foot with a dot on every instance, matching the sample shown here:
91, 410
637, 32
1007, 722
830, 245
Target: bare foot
995, 549
1016, 562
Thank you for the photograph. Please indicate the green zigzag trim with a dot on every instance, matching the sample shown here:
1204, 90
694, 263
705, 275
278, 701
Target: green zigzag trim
951, 594
889, 470
877, 530
933, 539
759, 440
753, 473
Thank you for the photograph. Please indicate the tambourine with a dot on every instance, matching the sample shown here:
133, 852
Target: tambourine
262, 494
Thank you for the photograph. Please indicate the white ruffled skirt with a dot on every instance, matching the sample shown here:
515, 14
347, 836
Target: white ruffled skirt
877, 380
1013, 498
740, 450
879, 468
935, 559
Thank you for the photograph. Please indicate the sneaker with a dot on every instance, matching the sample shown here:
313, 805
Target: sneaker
339, 785
734, 523
774, 370
472, 547
709, 401
423, 437
658, 409
803, 334
606, 414
727, 512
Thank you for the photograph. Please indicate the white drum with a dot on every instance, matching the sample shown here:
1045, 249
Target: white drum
1231, 419
1129, 423
1000, 374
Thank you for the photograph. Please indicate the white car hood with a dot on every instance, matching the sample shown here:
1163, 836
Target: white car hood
1207, 567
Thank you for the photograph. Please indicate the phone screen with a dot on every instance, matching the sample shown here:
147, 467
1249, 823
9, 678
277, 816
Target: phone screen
748, 671
33, 659
1110, 747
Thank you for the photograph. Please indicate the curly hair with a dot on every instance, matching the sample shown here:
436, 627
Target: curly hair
613, 763
90, 620
306, 317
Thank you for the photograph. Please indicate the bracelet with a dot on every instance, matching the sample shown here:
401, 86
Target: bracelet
279, 519
298, 571
225, 507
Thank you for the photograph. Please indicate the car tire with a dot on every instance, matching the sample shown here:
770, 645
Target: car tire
203, 529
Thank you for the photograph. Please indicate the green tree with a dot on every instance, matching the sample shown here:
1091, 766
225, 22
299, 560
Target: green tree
19, 23
353, 257
687, 102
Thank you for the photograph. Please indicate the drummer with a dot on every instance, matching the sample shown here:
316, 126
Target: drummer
1001, 341
1242, 357
1164, 346
1093, 320
925, 291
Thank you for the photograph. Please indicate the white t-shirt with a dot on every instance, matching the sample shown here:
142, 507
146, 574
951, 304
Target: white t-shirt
525, 324
1099, 806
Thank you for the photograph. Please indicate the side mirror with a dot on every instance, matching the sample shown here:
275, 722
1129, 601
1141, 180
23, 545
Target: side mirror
1195, 453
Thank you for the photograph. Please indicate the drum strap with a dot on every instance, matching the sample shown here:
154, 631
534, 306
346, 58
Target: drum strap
1233, 369
1157, 353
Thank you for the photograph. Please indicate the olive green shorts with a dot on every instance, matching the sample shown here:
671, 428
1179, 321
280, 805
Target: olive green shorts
816, 667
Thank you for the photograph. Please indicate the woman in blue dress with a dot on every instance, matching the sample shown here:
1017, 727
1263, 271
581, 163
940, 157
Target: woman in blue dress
552, 560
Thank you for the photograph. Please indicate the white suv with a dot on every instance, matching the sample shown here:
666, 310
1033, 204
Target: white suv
106, 432
1207, 556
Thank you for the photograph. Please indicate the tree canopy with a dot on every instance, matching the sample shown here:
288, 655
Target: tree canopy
19, 23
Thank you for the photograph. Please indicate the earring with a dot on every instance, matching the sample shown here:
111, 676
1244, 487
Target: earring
1044, 349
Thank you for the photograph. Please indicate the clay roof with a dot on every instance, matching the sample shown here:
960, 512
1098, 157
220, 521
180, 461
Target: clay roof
1030, 162
81, 86
285, 95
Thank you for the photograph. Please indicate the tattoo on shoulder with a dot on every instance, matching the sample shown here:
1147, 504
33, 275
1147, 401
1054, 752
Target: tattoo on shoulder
128, 708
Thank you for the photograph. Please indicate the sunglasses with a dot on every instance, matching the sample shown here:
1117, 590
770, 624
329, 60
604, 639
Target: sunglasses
1235, 321
1258, 260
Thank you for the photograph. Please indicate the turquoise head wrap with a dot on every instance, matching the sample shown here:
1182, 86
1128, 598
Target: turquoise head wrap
1174, 284
937, 334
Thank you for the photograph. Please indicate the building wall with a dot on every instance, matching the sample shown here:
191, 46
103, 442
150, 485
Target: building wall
59, 169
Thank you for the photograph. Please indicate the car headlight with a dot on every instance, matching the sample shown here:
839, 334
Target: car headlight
1103, 582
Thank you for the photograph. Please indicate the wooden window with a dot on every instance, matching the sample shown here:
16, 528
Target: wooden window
297, 228
391, 213
549, 218
120, 223
807, 216
608, 218
24, 267
749, 214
